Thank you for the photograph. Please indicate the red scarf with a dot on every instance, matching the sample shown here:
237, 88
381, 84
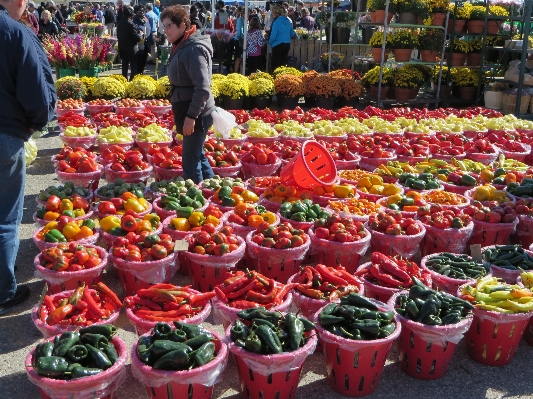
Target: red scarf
185, 36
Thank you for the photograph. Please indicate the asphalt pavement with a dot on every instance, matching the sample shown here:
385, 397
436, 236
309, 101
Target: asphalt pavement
465, 378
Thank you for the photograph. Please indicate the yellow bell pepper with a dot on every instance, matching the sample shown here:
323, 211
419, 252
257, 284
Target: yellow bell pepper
79, 212
249, 196
51, 225
181, 224
50, 216
70, 230
197, 219
268, 217
134, 205
343, 191
153, 218
109, 222
212, 219
66, 205
143, 202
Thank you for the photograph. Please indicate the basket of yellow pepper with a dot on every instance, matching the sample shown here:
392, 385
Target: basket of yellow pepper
65, 230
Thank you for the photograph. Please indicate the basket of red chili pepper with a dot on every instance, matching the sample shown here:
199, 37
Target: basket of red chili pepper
384, 276
166, 303
67, 266
142, 260
78, 368
184, 362
315, 286
244, 290
211, 255
339, 241
70, 310
277, 251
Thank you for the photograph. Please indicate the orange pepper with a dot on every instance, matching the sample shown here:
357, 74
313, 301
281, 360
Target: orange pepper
143, 225
241, 209
237, 198
291, 191
306, 195
410, 208
510, 178
50, 216
278, 200
127, 195
414, 195
330, 189
319, 190
237, 190
281, 190
254, 220
83, 233
269, 193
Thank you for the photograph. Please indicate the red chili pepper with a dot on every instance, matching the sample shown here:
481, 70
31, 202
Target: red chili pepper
268, 297
242, 291
195, 299
311, 293
91, 304
157, 294
284, 291
387, 265
327, 275
47, 301
242, 304
384, 278
59, 314
237, 284
132, 301
183, 311
347, 276
104, 289
221, 296
76, 295
43, 313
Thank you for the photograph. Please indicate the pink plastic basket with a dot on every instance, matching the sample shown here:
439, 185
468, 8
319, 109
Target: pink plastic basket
405, 246
372, 164
255, 170
230, 171
101, 385
331, 139
41, 244
445, 240
84, 142
132, 176
375, 291
98, 109
86, 180
167, 174
486, 233
61, 281
42, 222
441, 282
49, 331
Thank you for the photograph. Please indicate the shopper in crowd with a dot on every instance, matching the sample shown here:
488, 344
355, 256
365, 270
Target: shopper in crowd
33, 10
280, 37
63, 9
239, 39
128, 42
291, 16
41, 8
109, 19
28, 104
201, 13
141, 23
189, 72
46, 26
222, 18
119, 11
30, 20
307, 21
153, 20
193, 15
254, 43
157, 11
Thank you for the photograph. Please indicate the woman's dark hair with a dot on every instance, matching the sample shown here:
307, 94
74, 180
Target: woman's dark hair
254, 23
177, 14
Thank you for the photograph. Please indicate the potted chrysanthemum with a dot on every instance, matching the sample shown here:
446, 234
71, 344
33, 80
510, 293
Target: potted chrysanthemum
261, 92
403, 43
289, 88
233, 90
405, 80
376, 42
430, 42
466, 80
458, 49
370, 81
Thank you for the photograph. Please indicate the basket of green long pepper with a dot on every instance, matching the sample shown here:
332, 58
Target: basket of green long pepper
270, 349
180, 361
356, 335
88, 363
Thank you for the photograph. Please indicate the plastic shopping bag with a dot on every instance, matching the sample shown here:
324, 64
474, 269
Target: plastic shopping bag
223, 121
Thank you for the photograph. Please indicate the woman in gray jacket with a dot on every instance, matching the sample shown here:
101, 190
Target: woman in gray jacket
189, 72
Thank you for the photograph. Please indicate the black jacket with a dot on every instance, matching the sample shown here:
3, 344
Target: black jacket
47, 29
109, 16
128, 36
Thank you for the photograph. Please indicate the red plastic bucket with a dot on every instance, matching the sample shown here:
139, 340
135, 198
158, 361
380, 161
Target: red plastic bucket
406, 246
62, 281
137, 275
208, 271
333, 253
270, 376
524, 231
101, 385
443, 283
486, 233
355, 367
143, 326
425, 352
445, 240
279, 264
225, 315
494, 337
311, 167
196, 383
375, 291
250, 170
49, 331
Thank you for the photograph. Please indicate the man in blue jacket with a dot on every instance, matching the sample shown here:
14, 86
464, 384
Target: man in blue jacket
28, 100
281, 32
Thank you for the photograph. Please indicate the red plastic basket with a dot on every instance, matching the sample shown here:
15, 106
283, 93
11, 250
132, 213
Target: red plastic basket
41, 244
375, 291
86, 180
61, 281
494, 337
333, 253
517, 156
82, 141
331, 139
270, 376
230, 171
166, 173
262, 140
406, 246
143, 326
441, 282
102, 385
250, 170
132, 176
453, 188
196, 383
311, 167
371, 164
279, 264
354, 367
487, 234
208, 271
524, 231
49, 331
425, 352
445, 240
137, 275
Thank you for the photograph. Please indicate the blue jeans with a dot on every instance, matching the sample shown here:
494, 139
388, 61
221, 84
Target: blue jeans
13, 177
195, 165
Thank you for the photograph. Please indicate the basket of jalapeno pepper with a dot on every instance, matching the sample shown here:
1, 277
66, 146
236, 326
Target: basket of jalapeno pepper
181, 362
357, 334
89, 363
270, 349
433, 323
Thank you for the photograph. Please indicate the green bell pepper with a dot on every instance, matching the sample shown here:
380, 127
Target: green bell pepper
54, 235
204, 354
51, 366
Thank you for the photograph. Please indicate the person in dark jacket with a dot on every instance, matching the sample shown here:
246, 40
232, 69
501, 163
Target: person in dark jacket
128, 42
28, 102
109, 19
46, 25
195, 20
141, 23
189, 72
119, 11
281, 34
30, 21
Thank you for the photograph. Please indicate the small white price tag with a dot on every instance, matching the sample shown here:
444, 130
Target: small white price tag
181, 245
475, 250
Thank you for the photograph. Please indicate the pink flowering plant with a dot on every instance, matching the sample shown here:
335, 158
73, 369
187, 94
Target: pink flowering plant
59, 53
88, 52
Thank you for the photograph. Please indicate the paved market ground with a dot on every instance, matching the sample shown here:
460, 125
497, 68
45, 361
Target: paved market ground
465, 378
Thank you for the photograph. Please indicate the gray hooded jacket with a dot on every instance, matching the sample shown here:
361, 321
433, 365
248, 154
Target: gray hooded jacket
190, 74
